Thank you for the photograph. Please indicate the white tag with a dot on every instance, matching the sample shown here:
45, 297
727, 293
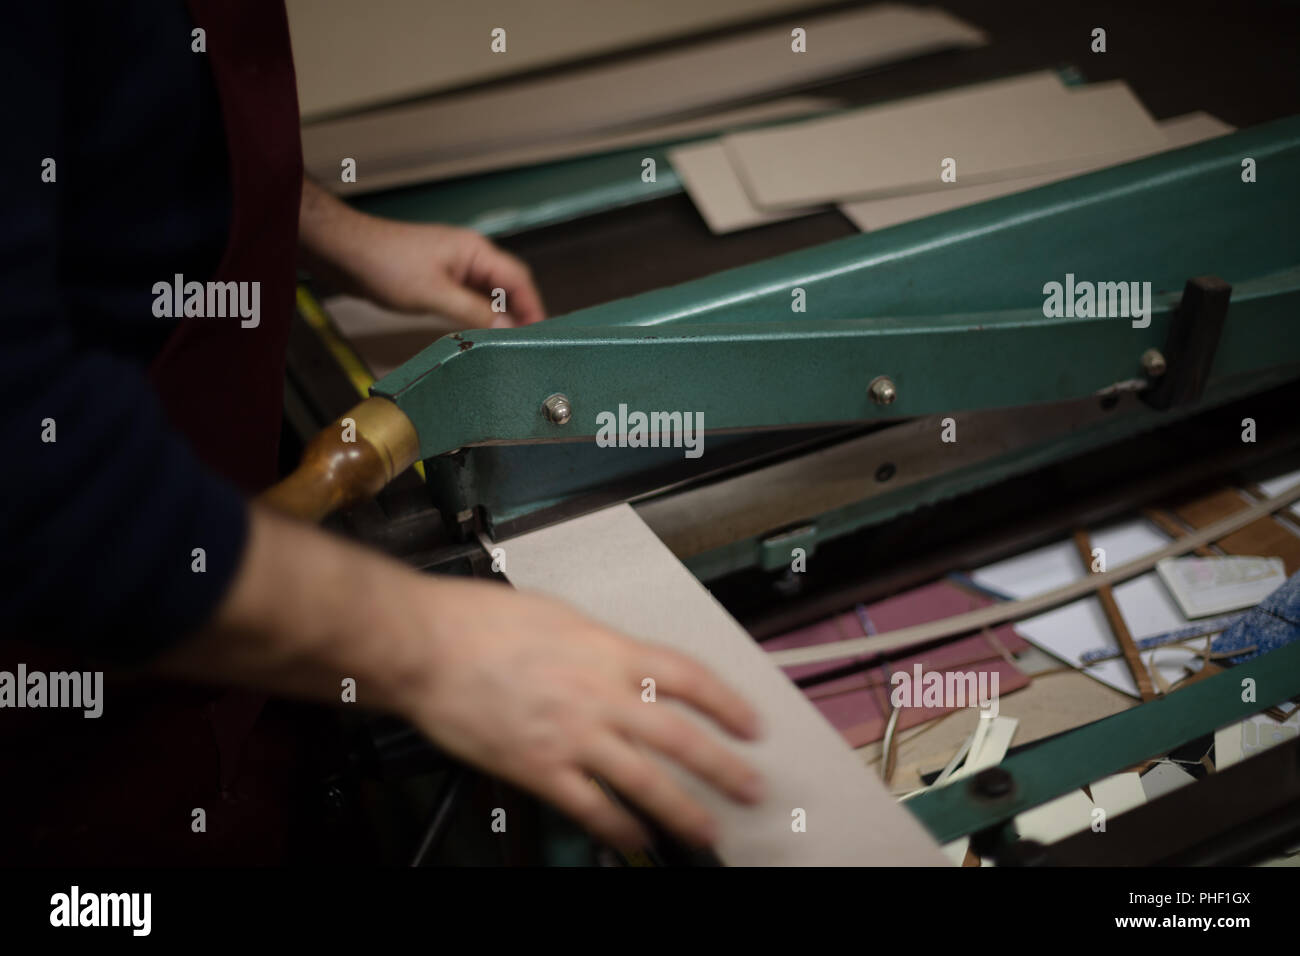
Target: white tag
1205, 586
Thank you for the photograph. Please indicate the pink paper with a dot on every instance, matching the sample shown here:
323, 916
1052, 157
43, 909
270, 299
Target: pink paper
857, 703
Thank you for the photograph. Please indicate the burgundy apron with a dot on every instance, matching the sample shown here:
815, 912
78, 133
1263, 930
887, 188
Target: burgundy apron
122, 789
223, 385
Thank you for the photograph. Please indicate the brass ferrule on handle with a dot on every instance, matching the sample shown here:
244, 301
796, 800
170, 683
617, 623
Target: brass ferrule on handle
348, 461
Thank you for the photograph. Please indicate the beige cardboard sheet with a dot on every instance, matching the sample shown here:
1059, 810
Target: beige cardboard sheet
1118, 793
869, 214
626, 93
324, 167
1057, 819
612, 566
716, 190
997, 130
352, 54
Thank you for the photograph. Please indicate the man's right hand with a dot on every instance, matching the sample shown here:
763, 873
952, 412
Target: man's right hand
517, 684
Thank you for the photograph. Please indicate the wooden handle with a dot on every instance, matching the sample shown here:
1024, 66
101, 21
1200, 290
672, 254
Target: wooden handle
350, 460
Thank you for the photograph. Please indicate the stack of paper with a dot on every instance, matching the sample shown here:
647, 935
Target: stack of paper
679, 92
899, 161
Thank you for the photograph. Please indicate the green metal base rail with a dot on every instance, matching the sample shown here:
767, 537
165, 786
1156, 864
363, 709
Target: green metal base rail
1081, 757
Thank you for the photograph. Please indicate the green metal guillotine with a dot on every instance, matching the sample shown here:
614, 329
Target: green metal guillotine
940, 315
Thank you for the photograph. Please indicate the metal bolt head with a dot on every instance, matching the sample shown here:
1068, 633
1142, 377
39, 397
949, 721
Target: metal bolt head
993, 783
882, 390
557, 409
1153, 363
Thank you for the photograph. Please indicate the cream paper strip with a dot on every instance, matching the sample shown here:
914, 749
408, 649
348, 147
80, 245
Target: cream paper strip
610, 565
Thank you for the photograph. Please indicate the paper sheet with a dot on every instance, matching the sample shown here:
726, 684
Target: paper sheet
624, 93
1281, 483
1057, 819
1208, 586
998, 130
869, 214
351, 55
993, 745
380, 173
858, 704
1163, 778
720, 197
610, 565
992, 740
1239, 741
714, 187
1081, 626
1118, 793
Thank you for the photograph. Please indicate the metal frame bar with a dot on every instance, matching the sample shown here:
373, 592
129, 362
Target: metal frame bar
813, 372
730, 346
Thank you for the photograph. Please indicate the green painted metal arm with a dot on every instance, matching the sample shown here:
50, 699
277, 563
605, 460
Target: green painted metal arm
806, 373
964, 290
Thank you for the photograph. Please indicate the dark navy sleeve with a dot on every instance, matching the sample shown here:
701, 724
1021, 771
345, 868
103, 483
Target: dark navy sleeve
102, 504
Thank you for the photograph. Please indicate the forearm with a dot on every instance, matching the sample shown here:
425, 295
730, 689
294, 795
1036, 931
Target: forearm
517, 684
307, 610
331, 236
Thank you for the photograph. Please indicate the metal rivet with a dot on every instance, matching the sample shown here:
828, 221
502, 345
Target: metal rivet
1153, 363
992, 783
557, 409
882, 390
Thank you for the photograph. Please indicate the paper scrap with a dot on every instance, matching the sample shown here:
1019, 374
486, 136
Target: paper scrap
1207, 586
1164, 777
1118, 793
987, 747
1237, 742
1056, 819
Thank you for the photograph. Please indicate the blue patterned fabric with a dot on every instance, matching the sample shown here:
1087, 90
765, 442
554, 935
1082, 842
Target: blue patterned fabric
1273, 622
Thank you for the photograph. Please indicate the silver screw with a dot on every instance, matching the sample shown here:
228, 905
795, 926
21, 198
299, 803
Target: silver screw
882, 390
1153, 363
557, 409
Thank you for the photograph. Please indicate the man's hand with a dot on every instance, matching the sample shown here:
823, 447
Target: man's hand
415, 268
520, 685
534, 692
